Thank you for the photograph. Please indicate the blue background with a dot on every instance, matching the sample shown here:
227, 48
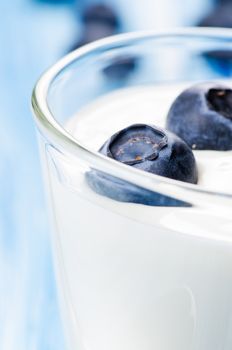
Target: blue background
33, 36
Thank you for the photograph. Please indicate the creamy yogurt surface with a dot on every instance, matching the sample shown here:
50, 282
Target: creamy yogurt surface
133, 276
95, 123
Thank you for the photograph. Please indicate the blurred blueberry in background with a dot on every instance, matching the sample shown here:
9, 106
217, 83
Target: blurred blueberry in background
56, 2
121, 67
222, 2
34, 34
219, 16
98, 21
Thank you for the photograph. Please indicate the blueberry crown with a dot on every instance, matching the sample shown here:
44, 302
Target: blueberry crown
138, 143
220, 100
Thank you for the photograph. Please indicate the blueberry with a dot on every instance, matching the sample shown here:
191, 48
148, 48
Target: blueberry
220, 16
99, 21
202, 117
124, 191
147, 148
57, 2
220, 61
223, 2
103, 14
92, 32
121, 67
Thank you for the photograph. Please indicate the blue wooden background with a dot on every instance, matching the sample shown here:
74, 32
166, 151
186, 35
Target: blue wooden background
33, 36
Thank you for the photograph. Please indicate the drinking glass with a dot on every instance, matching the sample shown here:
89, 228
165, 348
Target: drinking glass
133, 275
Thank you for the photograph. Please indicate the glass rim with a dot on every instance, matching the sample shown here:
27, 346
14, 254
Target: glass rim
56, 133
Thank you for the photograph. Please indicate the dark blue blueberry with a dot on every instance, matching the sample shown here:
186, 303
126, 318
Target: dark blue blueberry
150, 149
202, 117
124, 191
220, 61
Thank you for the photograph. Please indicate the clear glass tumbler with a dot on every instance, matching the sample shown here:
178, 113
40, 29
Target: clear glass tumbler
130, 275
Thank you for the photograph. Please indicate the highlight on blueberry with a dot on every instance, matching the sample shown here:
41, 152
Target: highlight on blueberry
202, 116
150, 149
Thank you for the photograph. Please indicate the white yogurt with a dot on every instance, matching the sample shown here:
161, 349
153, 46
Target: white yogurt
111, 113
134, 277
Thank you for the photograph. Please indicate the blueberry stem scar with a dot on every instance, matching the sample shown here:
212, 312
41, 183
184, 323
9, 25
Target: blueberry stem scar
220, 100
156, 147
